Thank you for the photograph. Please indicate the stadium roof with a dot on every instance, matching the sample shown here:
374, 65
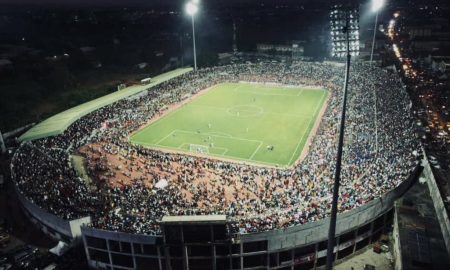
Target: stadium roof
195, 219
58, 123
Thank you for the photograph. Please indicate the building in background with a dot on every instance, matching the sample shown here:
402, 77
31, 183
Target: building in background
295, 49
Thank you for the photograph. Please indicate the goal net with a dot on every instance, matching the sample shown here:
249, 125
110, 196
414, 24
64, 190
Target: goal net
197, 148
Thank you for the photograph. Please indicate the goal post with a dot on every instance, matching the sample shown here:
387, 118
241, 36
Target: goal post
198, 148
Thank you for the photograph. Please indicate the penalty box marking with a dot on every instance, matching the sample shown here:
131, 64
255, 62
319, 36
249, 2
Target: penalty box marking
215, 147
212, 135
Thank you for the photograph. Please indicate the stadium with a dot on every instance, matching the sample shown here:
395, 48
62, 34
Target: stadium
229, 167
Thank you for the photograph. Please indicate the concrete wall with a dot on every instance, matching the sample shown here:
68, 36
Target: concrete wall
52, 225
397, 250
438, 203
120, 236
58, 224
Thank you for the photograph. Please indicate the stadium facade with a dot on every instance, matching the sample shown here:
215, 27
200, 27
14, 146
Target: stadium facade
203, 242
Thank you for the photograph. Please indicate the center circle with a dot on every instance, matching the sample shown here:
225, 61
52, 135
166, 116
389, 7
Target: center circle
245, 110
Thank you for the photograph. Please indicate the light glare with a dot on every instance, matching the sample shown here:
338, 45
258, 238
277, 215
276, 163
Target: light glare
377, 5
191, 8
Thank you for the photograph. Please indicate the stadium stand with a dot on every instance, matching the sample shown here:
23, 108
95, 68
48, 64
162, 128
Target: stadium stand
58, 123
380, 152
265, 218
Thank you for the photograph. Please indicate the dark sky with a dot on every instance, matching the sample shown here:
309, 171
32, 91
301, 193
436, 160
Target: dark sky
139, 2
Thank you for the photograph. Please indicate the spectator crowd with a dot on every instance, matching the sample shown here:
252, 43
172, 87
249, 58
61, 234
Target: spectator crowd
380, 151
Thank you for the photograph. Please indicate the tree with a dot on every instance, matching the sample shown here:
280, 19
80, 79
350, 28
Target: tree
208, 59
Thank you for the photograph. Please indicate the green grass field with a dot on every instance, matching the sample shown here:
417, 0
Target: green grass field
239, 121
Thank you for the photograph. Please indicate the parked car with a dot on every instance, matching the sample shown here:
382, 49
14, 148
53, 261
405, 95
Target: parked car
26, 263
24, 254
25, 248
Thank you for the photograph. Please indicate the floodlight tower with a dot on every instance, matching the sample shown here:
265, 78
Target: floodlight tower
191, 9
340, 11
347, 12
234, 38
376, 6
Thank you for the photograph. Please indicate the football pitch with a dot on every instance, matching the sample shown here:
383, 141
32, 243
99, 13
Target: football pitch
253, 123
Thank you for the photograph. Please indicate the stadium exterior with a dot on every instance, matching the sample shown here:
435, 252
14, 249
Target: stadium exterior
203, 242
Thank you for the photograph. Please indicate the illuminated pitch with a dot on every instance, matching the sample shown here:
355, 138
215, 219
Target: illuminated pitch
254, 123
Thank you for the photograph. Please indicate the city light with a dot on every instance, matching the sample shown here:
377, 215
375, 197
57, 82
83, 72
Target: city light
391, 23
396, 51
391, 30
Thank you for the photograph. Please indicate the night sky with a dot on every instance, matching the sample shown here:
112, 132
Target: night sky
143, 2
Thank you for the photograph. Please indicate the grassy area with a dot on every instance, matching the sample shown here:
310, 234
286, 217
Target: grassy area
240, 121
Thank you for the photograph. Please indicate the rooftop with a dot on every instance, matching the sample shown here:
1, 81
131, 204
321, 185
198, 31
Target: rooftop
195, 219
58, 123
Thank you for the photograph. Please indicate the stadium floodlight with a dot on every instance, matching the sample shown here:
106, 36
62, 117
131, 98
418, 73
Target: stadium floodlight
192, 9
376, 6
337, 172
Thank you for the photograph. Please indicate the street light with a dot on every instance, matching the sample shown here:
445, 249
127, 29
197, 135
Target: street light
191, 9
376, 6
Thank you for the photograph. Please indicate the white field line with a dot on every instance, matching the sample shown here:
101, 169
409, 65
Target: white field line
256, 150
220, 136
157, 143
307, 128
223, 148
162, 147
299, 93
232, 137
262, 113
220, 133
191, 132
268, 94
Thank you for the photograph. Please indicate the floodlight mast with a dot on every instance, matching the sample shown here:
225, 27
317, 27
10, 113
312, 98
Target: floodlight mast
337, 174
191, 9
376, 6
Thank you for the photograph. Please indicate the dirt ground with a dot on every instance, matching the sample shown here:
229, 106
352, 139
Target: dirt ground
382, 261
